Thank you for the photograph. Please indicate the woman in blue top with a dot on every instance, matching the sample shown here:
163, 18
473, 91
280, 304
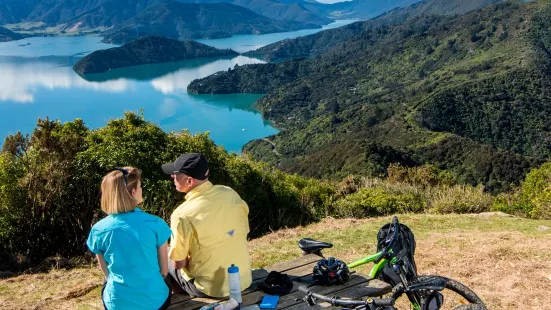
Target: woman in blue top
130, 245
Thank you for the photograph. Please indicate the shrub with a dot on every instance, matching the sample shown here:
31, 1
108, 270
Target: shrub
535, 193
375, 201
424, 176
532, 199
460, 199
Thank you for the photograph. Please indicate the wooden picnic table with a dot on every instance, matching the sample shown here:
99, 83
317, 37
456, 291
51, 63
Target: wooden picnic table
300, 271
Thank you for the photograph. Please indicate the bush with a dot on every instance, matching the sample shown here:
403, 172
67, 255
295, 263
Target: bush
532, 199
535, 193
375, 201
424, 176
460, 199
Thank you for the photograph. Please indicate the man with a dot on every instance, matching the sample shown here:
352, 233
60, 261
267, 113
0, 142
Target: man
209, 231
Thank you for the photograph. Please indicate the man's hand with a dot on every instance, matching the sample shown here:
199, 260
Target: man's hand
180, 264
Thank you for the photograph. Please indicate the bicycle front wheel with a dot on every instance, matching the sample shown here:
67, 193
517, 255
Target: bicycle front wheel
456, 295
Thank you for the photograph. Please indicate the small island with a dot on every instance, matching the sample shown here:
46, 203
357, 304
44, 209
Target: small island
146, 50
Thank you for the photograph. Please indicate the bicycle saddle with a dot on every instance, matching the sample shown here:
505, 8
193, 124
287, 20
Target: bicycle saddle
311, 246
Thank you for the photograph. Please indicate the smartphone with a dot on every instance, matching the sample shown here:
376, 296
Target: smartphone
269, 302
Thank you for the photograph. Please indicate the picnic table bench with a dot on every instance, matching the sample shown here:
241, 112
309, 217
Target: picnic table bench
300, 271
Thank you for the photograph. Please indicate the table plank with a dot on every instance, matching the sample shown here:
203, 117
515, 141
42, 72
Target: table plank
353, 289
291, 299
300, 271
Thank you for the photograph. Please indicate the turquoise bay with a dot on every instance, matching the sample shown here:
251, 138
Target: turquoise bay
37, 80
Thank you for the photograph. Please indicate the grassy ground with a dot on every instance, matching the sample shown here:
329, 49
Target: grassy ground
506, 260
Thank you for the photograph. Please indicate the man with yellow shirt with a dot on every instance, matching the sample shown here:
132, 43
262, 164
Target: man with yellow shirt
209, 231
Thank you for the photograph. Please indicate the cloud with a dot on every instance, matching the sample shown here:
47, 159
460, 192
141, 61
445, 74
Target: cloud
179, 80
20, 81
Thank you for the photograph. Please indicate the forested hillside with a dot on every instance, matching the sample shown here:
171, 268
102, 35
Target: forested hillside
321, 42
469, 93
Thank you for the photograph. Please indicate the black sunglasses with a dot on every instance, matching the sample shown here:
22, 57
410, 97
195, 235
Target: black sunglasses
124, 175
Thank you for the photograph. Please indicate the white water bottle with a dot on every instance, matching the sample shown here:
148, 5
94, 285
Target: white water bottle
235, 283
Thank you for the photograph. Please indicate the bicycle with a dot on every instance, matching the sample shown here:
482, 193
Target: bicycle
423, 292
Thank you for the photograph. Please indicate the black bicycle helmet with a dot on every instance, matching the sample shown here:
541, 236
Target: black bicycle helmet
330, 271
277, 283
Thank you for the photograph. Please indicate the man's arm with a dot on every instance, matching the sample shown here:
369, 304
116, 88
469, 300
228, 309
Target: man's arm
180, 244
181, 264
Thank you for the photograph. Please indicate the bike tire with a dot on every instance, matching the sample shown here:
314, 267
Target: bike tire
450, 286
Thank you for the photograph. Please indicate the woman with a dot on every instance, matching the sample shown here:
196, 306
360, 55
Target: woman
130, 245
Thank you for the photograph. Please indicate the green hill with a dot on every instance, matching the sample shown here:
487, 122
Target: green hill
323, 41
197, 20
146, 50
468, 93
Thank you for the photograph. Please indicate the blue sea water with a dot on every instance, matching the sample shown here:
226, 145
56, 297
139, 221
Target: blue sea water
37, 81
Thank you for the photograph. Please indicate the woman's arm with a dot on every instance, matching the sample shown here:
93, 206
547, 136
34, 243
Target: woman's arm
103, 265
162, 254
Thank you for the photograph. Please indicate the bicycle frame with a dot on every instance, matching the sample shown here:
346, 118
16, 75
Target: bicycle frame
377, 268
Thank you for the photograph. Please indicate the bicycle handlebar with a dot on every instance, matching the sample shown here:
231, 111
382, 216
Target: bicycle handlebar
336, 301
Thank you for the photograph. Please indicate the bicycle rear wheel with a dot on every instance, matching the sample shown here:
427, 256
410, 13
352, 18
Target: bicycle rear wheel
456, 295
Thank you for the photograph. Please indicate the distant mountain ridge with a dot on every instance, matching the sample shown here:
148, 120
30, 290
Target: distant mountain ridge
278, 10
106, 13
90, 13
197, 20
146, 50
283, 11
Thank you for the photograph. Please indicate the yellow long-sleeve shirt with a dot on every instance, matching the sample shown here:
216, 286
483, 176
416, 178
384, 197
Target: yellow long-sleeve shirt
210, 229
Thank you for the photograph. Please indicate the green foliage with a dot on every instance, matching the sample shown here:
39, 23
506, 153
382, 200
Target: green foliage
424, 176
374, 201
535, 192
532, 199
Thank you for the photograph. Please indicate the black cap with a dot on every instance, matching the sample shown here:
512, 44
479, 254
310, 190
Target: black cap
193, 164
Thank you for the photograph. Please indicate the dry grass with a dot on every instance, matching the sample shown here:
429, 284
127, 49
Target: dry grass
506, 260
